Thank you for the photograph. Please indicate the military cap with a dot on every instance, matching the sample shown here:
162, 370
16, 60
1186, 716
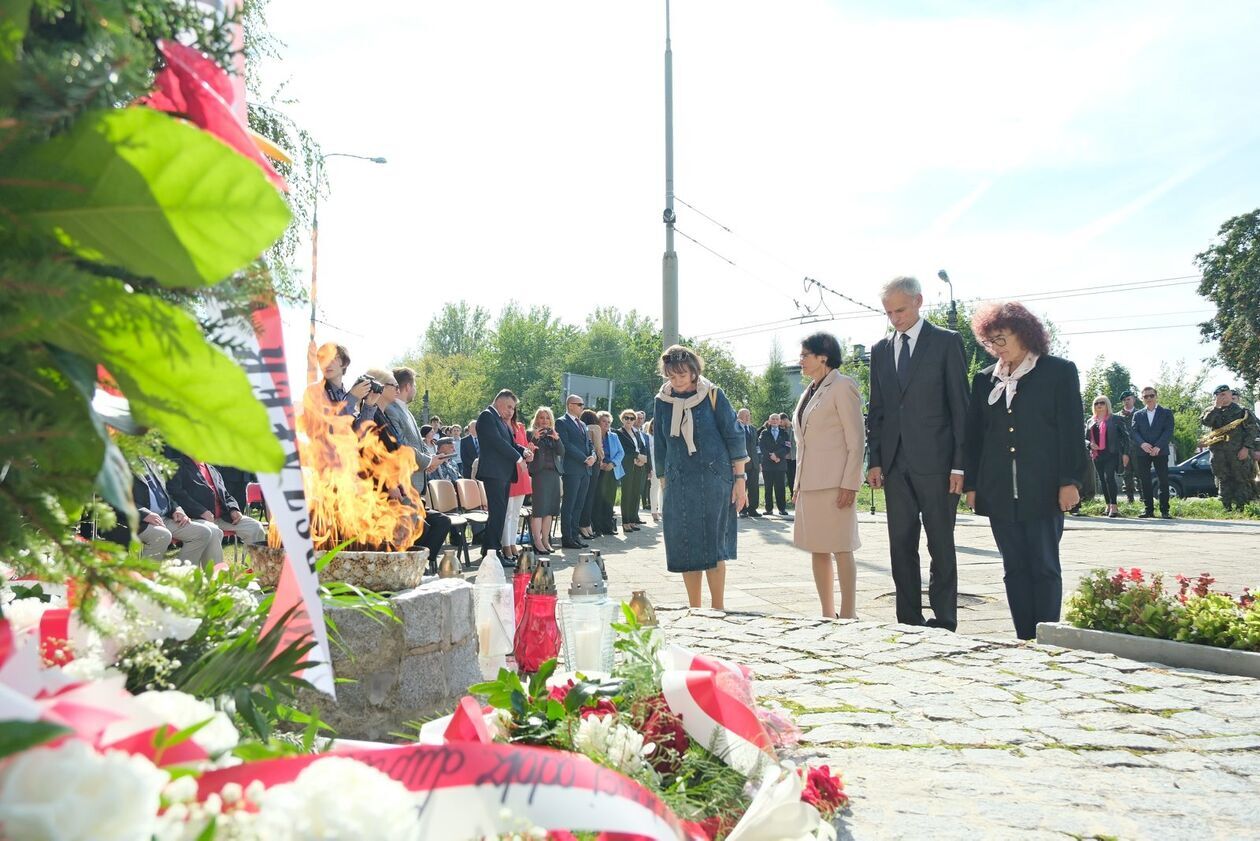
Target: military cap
1221, 388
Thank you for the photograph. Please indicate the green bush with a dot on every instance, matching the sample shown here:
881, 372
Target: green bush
1129, 602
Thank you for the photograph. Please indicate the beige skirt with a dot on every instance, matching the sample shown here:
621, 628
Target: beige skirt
822, 527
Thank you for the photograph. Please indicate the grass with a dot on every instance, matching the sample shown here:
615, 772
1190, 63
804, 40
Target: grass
1191, 508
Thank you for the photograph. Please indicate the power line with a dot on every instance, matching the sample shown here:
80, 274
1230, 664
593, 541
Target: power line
809, 281
1130, 329
705, 247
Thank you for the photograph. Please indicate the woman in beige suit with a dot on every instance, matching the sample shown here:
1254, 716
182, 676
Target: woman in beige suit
829, 443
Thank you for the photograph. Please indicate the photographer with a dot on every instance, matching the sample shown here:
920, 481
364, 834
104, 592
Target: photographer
545, 471
333, 361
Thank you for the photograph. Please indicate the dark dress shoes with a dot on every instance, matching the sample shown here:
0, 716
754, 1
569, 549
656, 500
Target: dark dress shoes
568, 544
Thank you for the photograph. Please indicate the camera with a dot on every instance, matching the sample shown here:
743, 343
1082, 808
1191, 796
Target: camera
374, 385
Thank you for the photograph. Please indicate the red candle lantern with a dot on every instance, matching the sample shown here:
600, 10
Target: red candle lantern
520, 582
538, 633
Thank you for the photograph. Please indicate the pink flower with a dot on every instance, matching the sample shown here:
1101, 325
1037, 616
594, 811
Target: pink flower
665, 730
602, 706
824, 791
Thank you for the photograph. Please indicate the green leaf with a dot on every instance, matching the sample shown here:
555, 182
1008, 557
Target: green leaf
165, 738
538, 683
555, 710
140, 189
174, 379
209, 833
15, 15
17, 736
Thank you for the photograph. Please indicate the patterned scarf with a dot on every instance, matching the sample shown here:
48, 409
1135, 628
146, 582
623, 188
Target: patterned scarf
1008, 381
680, 420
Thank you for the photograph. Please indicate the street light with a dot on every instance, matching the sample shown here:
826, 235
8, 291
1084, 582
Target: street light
953, 307
312, 375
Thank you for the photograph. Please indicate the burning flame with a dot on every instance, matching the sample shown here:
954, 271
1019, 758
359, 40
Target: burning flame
357, 490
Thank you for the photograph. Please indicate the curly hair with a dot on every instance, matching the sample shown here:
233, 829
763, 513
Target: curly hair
1015, 317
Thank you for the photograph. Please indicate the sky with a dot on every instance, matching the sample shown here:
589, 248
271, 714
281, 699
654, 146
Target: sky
1043, 151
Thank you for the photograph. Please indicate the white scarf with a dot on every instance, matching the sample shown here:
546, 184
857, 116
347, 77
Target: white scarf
1008, 381
680, 420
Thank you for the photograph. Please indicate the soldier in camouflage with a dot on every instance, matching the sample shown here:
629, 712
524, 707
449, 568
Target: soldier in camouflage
1232, 462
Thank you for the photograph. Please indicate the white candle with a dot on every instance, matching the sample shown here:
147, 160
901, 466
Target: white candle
484, 637
587, 649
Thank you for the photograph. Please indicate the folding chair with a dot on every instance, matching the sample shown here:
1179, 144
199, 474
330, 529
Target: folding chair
444, 499
254, 499
472, 504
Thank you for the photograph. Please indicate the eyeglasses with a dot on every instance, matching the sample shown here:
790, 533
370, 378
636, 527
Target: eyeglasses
1100, 403
1149, 395
576, 403
994, 341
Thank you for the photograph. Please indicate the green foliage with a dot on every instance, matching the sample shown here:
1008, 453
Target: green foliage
459, 329
976, 356
1129, 602
1231, 280
1111, 380
535, 717
771, 392
1183, 393
114, 221
17, 736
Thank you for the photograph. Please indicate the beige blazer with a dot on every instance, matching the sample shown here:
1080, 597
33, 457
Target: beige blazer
830, 438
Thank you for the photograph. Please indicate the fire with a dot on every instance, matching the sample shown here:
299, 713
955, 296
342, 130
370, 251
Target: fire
348, 477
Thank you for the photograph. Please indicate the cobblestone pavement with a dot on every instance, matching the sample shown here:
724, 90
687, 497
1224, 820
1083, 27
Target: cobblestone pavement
772, 576
940, 735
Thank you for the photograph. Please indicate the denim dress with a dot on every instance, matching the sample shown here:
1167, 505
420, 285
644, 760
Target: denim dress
699, 518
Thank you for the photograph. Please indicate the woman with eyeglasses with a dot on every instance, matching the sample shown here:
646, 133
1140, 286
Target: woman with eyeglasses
701, 457
1023, 460
1108, 447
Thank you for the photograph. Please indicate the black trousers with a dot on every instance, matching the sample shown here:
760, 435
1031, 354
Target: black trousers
572, 503
754, 489
776, 488
632, 493
912, 499
1033, 578
437, 527
1130, 478
602, 519
496, 502
791, 474
1105, 466
588, 501
1144, 465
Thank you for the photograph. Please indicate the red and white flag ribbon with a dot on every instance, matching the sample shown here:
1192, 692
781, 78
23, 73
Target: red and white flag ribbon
713, 698
261, 353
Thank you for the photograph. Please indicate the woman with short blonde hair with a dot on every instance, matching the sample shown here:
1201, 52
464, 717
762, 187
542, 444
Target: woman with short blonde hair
1108, 446
544, 470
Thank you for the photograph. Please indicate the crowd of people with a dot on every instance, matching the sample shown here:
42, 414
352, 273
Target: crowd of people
926, 438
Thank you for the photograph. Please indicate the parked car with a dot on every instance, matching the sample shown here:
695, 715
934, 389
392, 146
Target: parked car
1193, 477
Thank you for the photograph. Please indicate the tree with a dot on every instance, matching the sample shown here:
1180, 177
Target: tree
772, 393
458, 330
1111, 380
974, 352
1231, 280
1183, 393
721, 368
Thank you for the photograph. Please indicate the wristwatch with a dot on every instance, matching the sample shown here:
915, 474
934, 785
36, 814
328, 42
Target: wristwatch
739, 475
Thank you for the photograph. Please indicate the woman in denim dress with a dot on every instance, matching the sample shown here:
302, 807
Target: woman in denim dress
700, 457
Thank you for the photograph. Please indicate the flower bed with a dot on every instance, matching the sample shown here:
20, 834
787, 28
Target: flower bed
1132, 602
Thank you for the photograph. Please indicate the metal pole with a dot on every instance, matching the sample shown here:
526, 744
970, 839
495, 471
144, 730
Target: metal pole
669, 262
953, 305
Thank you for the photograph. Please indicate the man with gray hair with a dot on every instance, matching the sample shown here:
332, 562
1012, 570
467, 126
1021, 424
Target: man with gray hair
914, 428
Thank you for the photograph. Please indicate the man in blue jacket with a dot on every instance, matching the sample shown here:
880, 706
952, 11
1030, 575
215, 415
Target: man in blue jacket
575, 472
497, 465
1152, 433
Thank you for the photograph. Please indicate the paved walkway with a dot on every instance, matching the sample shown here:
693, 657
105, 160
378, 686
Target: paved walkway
772, 576
941, 735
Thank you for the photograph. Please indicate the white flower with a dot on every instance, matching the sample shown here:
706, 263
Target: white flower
146, 621
777, 812
24, 614
337, 799
601, 737
71, 792
181, 710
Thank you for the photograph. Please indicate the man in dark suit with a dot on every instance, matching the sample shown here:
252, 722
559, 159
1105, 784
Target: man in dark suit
640, 418
161, 520
744, 416
575, 473
198, 488
1152, 433
774, 451
915, 427
469, 450
497, 465
1130, 462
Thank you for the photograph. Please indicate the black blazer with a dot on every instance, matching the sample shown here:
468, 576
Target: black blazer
467, 454
645, 448
1159, 435
189, 490
628, 442
779, 448
499, 453
1117, 435
577, 445
933, 405
1040, 435
752, 441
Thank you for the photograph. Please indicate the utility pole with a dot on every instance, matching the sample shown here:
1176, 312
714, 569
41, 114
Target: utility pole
669, 263
953, 305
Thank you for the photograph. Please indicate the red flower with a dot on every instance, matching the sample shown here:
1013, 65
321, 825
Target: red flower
665, 730
602, 706
824, 791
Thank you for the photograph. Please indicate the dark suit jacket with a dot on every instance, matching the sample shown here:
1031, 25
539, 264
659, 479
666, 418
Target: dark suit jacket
645, 448
628, 442
780, 448
499, 453
1159, 435
577, 445
140, 493
752, 441
1117, 435
924, 422
467, 454
189, 490
1040, 434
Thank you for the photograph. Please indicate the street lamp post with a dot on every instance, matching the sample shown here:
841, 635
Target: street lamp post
319, 165
953, 306
669, 263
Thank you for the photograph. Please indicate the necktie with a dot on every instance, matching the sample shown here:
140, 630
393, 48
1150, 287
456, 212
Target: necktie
205, 472
903, 360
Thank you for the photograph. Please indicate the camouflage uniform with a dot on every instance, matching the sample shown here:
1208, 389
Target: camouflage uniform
1130, 476
1235, 477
